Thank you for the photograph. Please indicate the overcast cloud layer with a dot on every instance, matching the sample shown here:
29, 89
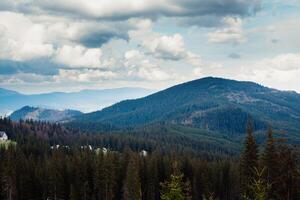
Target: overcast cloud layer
68, 45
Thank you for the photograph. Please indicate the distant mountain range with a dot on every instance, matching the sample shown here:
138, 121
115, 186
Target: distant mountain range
42, 114
210, 104
85, 100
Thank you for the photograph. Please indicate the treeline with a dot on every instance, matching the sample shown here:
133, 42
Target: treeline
34, 170
271, 174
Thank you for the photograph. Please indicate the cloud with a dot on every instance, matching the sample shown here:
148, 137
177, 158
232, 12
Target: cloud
40, 66
282, 62
170, 48
281, 71
139, 66
167, 47
20, 39
90, 41
84, 75
95, 39
126, 9
78, 56
231, 33
21, 78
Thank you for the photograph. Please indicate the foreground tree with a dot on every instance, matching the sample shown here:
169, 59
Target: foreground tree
259, 186
270, 162
289, 173
132, 185
175, 188
248, 162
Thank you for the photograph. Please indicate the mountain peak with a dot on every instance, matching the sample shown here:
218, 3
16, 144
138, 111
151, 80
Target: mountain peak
210, 103
43, 114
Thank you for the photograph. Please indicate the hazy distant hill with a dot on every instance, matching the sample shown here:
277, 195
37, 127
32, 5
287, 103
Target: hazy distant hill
42, 114
85, 100
7, 93
212, 104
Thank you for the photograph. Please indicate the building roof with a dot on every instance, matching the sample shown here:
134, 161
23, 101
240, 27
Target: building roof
2, 133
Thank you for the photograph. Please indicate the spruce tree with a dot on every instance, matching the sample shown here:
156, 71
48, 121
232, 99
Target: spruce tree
259, 187
132, 185
289, 173
248, 162
175, 188
270, 162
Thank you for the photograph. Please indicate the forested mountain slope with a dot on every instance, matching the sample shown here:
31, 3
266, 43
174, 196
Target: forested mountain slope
213, 104
42, 114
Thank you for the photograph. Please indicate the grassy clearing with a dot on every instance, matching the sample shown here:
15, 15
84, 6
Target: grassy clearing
6, 144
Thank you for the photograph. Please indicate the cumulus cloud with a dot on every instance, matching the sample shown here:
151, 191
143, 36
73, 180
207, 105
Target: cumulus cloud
40, 66
139, 66
20, 39
57, 41
84, 75
170, 48
281, 71
79, 56
282, 62
167, 47
126, 9
232, 32
21, 78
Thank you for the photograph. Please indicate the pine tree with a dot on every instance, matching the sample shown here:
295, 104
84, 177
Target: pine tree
172, 189
249, 161
289, 173
152, 180
270, 162
105, 178
132, 185
258, 186
175, 188
9, 179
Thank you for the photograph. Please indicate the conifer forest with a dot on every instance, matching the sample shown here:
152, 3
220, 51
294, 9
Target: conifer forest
50, 161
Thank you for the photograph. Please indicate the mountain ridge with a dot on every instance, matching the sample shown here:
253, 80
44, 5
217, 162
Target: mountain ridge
43, 114
209, 103
85, 100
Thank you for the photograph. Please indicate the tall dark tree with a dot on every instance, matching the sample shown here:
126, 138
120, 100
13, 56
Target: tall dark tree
249, 162
105, 177
132, 184
289, 173
270, 163
9, 176
175, 188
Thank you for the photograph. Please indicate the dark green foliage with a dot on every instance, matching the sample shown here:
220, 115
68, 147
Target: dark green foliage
259, 187
175, 188
132, 182
270, 163
34, 170
249, 162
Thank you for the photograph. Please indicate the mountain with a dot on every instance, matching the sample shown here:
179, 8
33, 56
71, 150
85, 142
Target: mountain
6, 93
212, 104
85, 100
42, 114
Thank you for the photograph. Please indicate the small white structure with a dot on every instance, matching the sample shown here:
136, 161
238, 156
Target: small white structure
104, 150
3, 136
144, 153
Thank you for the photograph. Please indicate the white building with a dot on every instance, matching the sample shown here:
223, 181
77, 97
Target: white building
144, 153
3, 136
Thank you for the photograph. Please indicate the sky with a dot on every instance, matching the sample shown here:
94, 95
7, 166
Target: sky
70, 45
